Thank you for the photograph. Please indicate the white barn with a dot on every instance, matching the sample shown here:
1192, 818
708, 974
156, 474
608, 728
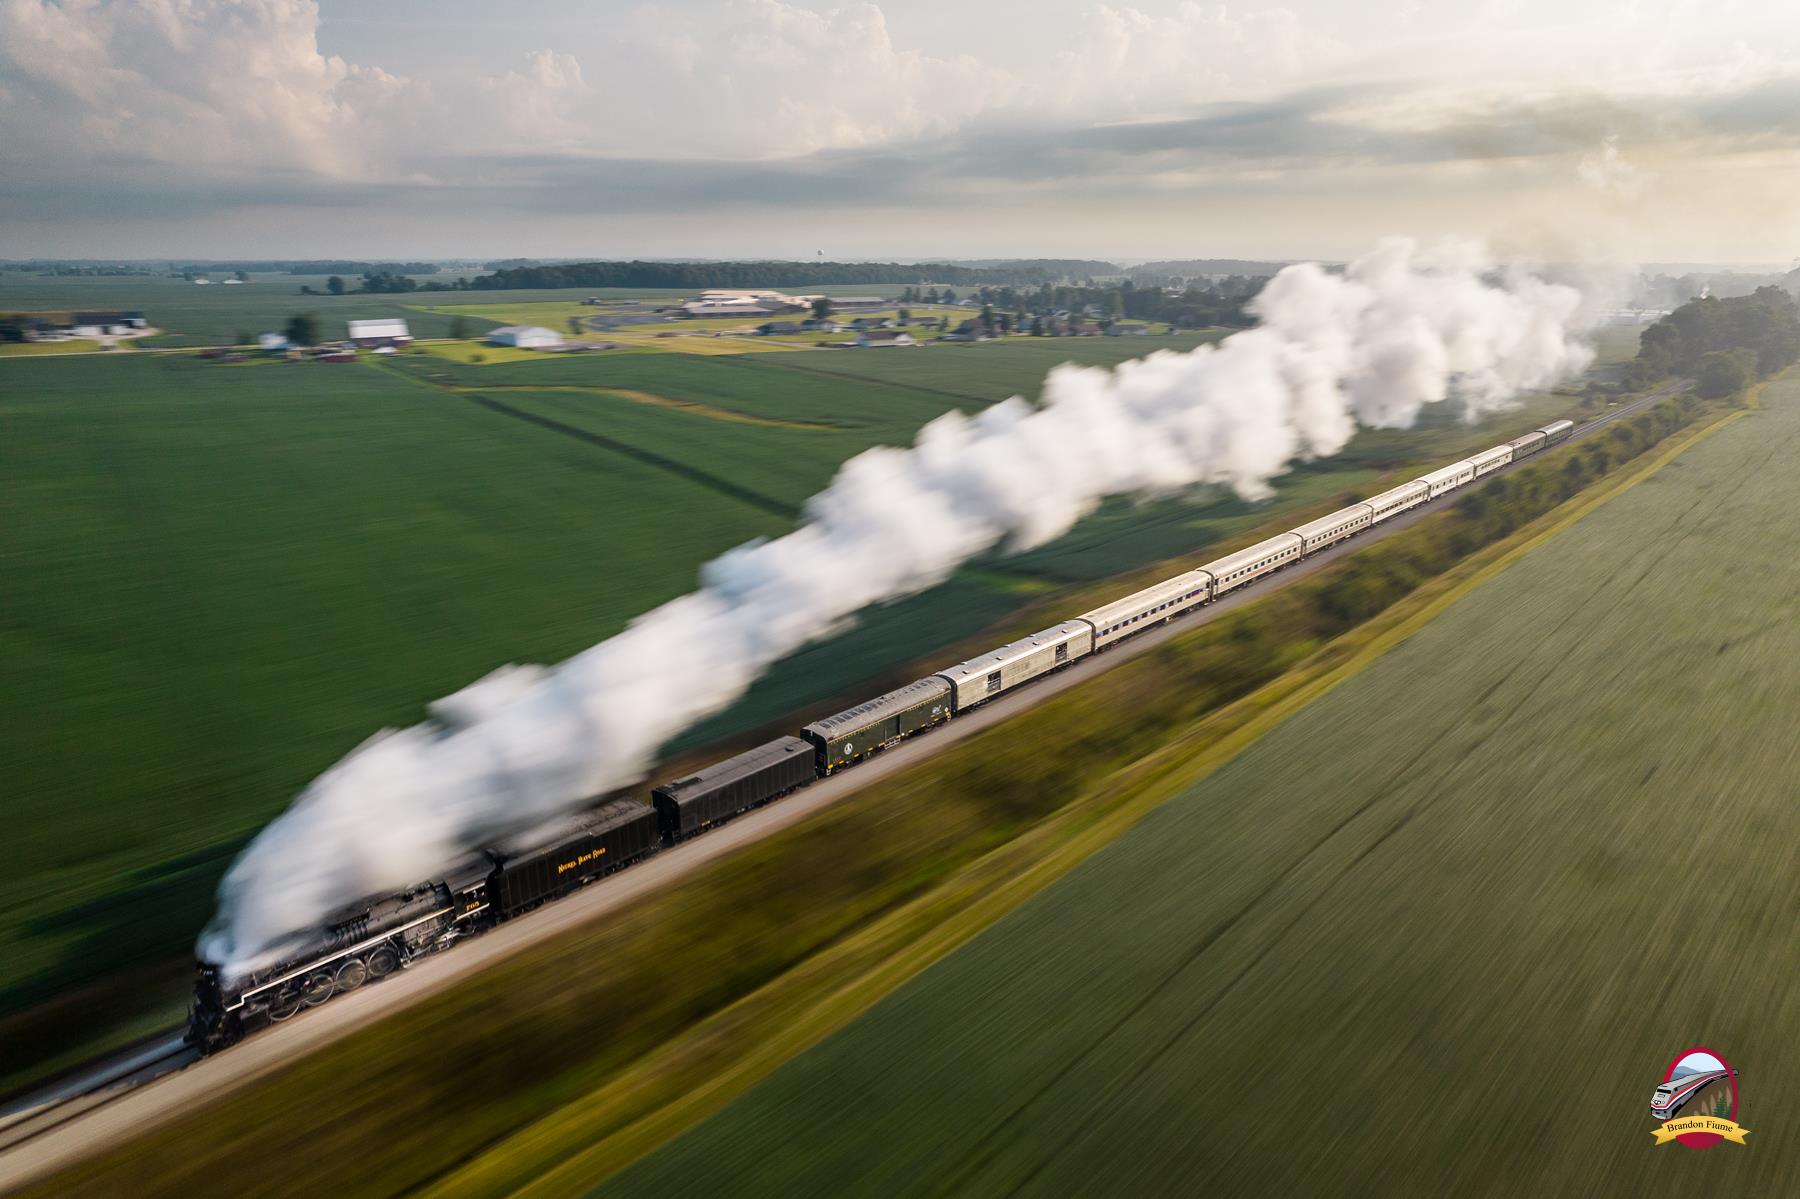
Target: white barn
525, 337
389, 331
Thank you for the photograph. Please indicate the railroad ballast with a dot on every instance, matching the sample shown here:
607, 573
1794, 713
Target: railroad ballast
385, 933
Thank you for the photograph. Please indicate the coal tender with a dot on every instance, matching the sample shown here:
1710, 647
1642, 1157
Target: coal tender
555, 860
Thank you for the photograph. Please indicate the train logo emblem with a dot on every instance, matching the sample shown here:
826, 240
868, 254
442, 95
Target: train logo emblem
1697, 1101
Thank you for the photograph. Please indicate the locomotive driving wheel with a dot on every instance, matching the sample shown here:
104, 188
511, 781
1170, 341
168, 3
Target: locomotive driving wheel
285, 1003
351, 975
317, 988
383, 961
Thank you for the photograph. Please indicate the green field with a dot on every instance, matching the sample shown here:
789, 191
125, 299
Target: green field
1439, 933
223, 577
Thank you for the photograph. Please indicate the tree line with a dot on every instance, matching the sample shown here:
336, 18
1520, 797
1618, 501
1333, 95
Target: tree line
701, 275
1199, 305
383, 283
1724, 345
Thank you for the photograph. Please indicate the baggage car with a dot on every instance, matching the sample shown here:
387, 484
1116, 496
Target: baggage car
1001, 670
854, 733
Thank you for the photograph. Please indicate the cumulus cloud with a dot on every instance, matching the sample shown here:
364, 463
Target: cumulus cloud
1135, 61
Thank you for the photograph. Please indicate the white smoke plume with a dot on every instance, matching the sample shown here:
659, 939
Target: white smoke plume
1396, 331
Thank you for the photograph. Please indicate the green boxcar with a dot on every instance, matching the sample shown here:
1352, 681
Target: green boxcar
856, 732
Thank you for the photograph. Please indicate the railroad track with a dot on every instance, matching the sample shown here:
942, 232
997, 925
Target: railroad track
30, 1116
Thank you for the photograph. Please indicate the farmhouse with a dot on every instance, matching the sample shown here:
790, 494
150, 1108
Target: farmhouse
525, 337
388, 331
871, 339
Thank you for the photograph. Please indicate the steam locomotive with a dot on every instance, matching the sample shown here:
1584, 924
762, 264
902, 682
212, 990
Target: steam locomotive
376, 937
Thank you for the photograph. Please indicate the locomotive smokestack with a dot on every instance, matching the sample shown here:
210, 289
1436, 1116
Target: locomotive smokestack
1393, 333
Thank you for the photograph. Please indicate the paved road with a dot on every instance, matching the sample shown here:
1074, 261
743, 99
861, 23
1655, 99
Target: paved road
132, 1101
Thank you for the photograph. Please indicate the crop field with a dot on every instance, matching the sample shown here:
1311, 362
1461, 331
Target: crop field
222, 577
1438, 933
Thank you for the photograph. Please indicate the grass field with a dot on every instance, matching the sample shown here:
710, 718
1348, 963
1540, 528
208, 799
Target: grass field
1439, 933
43, 349
223, 577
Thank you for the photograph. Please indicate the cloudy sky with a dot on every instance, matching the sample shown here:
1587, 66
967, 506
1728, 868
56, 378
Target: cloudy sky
223, 128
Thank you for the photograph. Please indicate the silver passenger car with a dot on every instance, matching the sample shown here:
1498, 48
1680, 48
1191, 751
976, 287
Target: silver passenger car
1171, 597
1317, 534
990, 674
1234, 570
1448, 478
1396, 500
1531, 443
1492, 460
1557, 430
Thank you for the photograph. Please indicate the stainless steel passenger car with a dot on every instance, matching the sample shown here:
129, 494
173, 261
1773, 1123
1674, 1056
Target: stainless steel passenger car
853, 734
1396, 500
1234, 570
1171, 597
1317, 534
1531, 443
1557, 431
1448, 478
1491, 460
1000, 670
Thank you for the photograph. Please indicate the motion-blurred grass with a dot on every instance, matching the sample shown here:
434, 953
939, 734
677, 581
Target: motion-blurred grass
1439, 934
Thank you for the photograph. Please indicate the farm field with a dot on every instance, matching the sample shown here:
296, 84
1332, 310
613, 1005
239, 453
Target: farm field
1438, 933
182, 680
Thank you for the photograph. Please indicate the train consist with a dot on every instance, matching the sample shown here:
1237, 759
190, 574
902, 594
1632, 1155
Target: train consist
376, 937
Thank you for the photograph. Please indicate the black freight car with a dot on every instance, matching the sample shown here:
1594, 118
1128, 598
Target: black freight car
856, 732
557, 859
735, 785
